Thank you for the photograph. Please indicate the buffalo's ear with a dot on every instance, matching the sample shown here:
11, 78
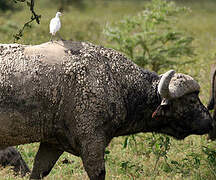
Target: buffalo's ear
160, 111
156, 112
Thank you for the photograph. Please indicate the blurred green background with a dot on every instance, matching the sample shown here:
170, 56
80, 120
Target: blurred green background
137, 157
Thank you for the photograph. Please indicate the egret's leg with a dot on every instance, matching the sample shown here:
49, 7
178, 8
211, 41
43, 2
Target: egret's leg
51, 38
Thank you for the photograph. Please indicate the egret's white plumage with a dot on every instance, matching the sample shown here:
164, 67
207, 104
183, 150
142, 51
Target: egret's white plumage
55, 24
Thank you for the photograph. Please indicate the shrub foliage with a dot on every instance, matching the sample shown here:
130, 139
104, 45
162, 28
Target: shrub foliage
150, 38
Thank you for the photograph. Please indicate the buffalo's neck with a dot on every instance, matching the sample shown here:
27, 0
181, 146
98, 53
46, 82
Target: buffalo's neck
141, 101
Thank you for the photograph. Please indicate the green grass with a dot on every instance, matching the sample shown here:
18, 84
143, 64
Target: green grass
185, 159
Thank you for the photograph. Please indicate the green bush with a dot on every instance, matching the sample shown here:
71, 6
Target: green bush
151, 38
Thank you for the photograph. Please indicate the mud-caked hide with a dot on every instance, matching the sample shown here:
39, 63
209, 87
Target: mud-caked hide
77, 96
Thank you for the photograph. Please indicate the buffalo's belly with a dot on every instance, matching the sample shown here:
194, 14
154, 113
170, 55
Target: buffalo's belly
16, 129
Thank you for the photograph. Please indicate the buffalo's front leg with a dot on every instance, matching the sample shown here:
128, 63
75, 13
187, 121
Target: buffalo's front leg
45, 159
93, 158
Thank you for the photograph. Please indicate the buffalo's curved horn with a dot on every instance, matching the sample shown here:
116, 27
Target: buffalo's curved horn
182, 84
163, 86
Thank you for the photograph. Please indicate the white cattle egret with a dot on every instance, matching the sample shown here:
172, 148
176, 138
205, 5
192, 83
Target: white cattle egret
55, 25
